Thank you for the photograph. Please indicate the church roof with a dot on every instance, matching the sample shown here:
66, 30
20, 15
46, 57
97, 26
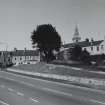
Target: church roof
25, 53
83, 44
76, 37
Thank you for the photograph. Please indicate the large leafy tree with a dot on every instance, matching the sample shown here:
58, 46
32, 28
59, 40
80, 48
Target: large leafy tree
47, 39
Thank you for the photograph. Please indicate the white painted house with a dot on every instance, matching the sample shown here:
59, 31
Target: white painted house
93, 47
25, 56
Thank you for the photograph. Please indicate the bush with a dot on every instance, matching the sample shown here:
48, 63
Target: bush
85, 57
76, 52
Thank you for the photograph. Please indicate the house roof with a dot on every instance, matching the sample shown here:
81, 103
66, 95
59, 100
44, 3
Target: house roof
25, 53
83, 44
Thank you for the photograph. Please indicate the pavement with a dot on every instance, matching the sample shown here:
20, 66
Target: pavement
23, 90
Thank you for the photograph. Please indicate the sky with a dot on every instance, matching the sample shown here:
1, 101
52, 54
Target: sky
18, 18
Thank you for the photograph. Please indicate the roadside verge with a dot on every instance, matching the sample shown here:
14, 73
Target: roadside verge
88, 82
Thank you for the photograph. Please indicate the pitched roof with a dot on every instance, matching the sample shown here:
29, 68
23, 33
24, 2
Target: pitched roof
25, 53
83, 44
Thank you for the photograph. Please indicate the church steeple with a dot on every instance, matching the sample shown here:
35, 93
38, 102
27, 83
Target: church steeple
76, 38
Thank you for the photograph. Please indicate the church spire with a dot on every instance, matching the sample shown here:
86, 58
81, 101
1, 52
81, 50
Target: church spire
76, 37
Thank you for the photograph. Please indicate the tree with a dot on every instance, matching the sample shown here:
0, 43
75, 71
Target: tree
99, 59
85, 57
76, 51
47, 39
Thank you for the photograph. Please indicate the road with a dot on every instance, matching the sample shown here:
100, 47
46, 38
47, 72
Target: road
22, 90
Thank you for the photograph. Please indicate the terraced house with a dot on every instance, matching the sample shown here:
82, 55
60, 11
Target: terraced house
25, 56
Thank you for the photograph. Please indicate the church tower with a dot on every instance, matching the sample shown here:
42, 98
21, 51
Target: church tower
76, 38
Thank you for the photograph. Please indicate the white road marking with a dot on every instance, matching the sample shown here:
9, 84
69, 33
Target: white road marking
99, 102
10, 89
27, 84
93, 90
2, 102
54, 91
34, 100
10, 79
2, 86
58, 92
19, 81
20, 94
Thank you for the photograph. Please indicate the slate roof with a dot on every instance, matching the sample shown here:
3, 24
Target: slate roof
83, 44
25, 53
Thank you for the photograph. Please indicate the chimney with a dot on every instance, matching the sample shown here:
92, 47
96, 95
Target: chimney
87, 39
92, 40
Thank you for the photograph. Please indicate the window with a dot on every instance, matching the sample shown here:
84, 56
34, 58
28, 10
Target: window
20, 58
97, 48
30, 57
102, 47
15, 58
84, 48
27, 57
8, 59
91, 48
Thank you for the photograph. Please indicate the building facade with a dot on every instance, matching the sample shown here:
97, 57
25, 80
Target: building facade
93, 47
25, 56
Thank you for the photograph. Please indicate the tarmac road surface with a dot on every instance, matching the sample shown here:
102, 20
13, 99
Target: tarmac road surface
22, 90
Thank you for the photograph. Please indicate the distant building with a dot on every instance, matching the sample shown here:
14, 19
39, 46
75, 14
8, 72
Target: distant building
93, 47
25, 56
18, 57
5, 59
